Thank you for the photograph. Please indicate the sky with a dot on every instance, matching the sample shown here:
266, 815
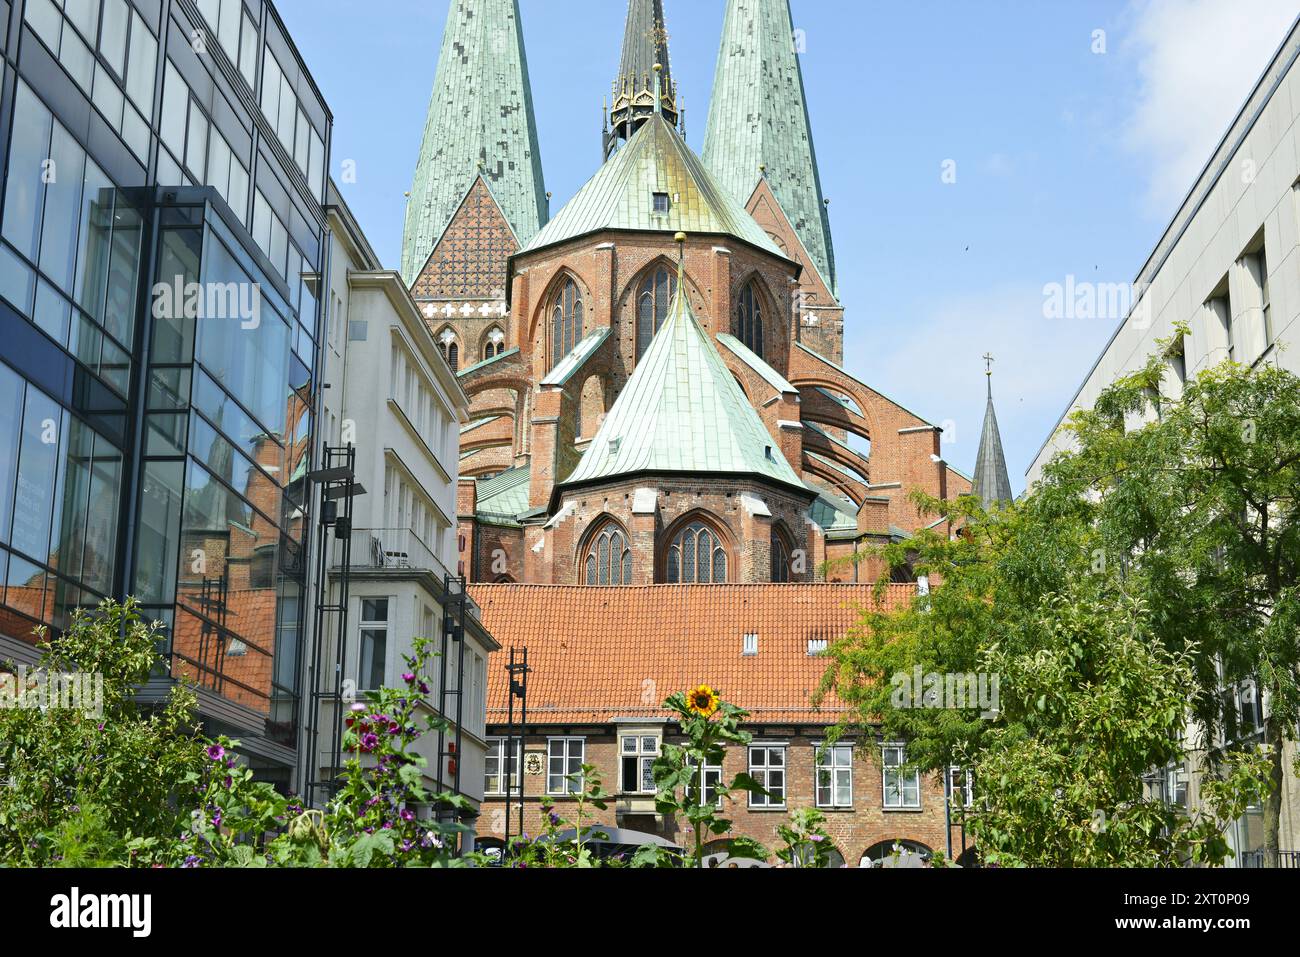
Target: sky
974, 153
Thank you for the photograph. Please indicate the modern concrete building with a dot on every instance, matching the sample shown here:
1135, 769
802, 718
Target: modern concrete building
1228, 268
390, 394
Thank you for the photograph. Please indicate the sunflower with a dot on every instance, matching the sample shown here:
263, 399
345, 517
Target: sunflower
702, 701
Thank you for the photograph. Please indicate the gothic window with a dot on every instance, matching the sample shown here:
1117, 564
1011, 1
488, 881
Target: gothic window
450, 349
652, 301
566, 321
749, 320
780, 557
696, 556
609, 559
494, 344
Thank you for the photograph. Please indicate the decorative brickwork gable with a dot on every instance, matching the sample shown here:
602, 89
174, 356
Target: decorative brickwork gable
469, 260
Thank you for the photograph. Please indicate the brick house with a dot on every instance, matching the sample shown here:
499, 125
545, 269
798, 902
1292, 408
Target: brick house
594, 698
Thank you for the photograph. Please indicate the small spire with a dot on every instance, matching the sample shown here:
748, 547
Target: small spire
659, 89
992, 483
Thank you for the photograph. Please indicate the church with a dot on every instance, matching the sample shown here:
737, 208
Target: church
669, 476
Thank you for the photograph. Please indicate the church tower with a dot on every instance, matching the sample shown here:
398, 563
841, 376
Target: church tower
644, 83
992, 484
478, 195
759, 144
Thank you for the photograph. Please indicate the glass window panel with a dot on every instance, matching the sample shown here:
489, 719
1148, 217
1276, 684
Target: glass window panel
250, 438
78, 59
135, 131
251, 361
108, 97
123, 271
24, 186
316, 174
178, 266
196, 142
374, 642
112, 38
11, 397
228, 27
159, 532
75, 497
238, 198
44, 18
288, 114
52, 312
169, 171
94, 238
219, 165
176, 98
84, 14
62, 214
26, 588
248, 51
271, 77
141, 64
302, 142
37, 468
16, 280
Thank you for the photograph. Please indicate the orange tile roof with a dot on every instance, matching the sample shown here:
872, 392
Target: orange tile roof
602, 653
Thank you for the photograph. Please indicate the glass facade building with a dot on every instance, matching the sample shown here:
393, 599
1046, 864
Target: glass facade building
161, 235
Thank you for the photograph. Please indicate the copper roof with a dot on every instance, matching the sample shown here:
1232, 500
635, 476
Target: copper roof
603, 653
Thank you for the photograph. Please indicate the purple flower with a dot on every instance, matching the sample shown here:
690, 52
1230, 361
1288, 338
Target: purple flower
394, 727
369, 741
408, 677
555, 819
818, 837
216, 752
191, 861
357, 708
407, 815
424, 688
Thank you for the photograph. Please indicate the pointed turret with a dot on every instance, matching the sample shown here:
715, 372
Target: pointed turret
759, 127
480, 122
644, 84
991, 483
682, 411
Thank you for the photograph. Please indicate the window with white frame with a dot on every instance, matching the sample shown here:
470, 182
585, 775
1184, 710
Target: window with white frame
961, 787
834, 775
767, 767
501, 759
902, 785
564, 765
710, 780
373, 659
637, 753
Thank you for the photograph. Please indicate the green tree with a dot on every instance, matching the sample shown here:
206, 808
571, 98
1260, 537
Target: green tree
80, 785
1153, 565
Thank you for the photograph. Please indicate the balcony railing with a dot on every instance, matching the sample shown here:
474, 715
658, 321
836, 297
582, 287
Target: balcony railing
396, 549
1260, 858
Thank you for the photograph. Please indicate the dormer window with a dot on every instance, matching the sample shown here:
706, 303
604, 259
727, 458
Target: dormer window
661, 204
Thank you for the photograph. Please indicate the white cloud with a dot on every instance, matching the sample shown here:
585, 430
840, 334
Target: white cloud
1197, 62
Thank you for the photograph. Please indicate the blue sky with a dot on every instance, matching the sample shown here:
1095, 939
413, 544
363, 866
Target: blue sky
1068, 162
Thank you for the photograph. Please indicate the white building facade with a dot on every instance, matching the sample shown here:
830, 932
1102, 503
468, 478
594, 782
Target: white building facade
389, 392
1228, 269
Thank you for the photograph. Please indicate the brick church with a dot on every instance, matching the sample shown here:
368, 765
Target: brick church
666, 455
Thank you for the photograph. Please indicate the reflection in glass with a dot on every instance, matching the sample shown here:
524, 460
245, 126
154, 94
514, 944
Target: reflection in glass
37, 468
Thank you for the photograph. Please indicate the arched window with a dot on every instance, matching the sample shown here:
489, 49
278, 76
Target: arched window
566, 321
494, 343
609, 559
696, 556
781, 571
450, 349
652, 301
749, 320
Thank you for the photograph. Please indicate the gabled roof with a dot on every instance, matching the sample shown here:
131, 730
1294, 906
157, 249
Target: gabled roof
991, 482
583, 670
759, 118
621, 195
480, 119
682, 411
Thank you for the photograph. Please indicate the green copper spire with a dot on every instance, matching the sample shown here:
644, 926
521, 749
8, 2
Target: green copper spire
480, 121
638, 93
992, 484
682, 411
758, 121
